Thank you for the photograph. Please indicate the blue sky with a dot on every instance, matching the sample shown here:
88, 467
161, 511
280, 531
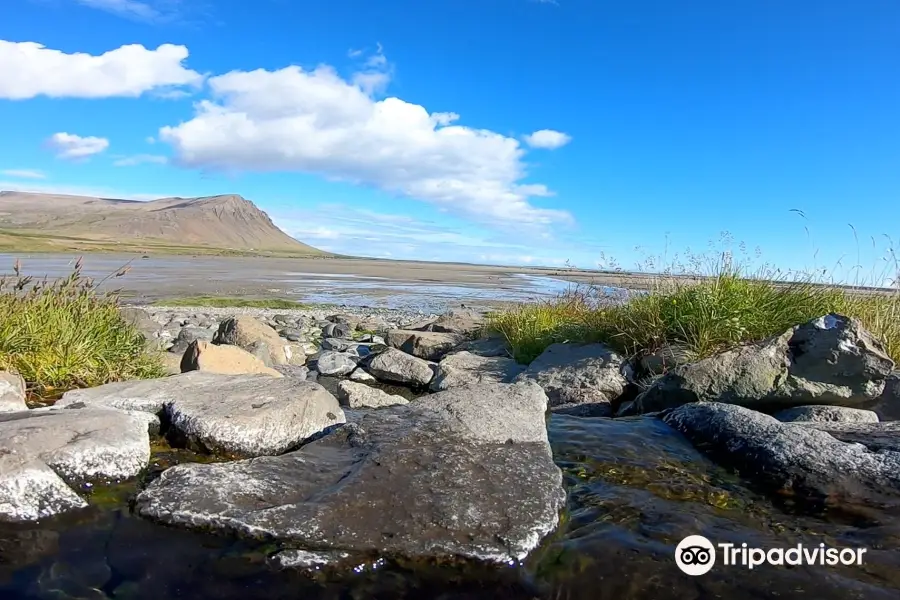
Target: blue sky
499, 131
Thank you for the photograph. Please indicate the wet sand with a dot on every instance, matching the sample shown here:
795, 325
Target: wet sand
361, 282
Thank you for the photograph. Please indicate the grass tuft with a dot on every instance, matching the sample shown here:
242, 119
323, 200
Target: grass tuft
65, 334
702, 314
225, 302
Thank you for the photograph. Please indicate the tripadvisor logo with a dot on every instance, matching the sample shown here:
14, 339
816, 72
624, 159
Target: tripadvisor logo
696, 555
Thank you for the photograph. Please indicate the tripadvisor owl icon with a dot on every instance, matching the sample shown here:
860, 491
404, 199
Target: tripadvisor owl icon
695, 555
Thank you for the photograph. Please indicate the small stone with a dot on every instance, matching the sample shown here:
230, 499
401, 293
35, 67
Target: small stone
360, 395
335, 364
12, 392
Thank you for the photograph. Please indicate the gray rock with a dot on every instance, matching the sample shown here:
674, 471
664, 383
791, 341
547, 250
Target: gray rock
888, 405
464, 368
145, 395
336, 364
337, 345
575, 374
43, 451
293, 335
361, 374
398, 367
809, 464
465, 322
840, 414
468, 472
252, 415
12, 392
874, 436
261, 351
294, 371
360, 395
337, 330
830, 360
427, 345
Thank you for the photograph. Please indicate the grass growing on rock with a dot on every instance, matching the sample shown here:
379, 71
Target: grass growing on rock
65, 334
225, 302
702, 314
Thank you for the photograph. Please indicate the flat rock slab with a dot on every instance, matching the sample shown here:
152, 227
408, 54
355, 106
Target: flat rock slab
253, 415
246, 415
789, 458
42, 451
826, 414
574, 374
467, 472
466, 368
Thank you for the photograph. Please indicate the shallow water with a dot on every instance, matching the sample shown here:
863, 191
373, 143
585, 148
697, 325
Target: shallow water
636, 488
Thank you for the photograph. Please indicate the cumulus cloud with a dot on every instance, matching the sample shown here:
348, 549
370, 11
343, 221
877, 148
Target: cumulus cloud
24, 173
74, 147
140, 159
547, 139
31, 69
316, 121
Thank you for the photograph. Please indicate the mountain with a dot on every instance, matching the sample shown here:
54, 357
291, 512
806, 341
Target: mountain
224, 223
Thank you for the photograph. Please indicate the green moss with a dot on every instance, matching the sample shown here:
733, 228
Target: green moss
228, 302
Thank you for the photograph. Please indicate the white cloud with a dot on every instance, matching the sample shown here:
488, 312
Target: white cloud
75, 147
150, 139
24, 173
31, 69
317, 122
547, 139
140, 159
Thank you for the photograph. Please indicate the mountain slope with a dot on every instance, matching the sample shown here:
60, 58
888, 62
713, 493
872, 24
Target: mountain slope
227, 222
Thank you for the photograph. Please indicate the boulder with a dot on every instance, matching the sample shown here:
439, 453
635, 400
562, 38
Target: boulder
464, 322
261, 351
831, 360
585, 378
665, 358
245, 331
426, 345
840, 414
43, 452
465, 368
227, 360
360, 395
888, 405
12, 392
802, 461
464, 473
336, 364
337, 345
395, 366
171, 363
145, 395
252, 415
337, 330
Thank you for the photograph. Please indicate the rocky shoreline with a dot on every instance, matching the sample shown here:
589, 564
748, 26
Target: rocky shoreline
399, 435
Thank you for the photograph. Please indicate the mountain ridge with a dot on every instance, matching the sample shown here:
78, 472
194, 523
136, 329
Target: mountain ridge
220, 222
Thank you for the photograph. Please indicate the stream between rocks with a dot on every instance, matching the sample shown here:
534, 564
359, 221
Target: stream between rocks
635, 488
